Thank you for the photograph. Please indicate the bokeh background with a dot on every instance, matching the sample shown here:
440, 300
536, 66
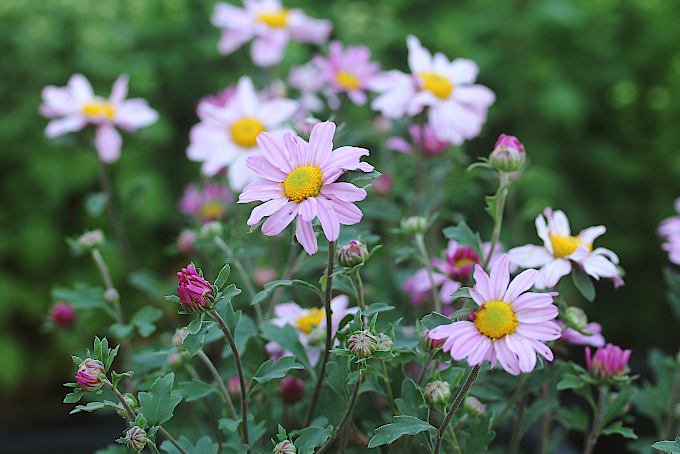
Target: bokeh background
590, 86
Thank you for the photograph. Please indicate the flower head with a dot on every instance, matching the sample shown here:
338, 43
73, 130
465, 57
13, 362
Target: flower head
292, 389
362, 344
226, 135
135, 438
195, 293
474, 406
510, 326
352, 253
560, 249
457, 106
269, 25
298, 180
669, 230
207, 202
62, 315
90, 374
383, 342
508, 155
91, 239
591, 334
73, 107
608, 361
284, 447
437, 392
307, 80
423, 140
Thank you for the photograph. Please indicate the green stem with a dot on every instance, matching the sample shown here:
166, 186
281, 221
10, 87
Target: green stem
420, 244
245, 278
426, 366
345, 419
239, 369
329, 333
388, 389
591, 440
114, 217
500, 208
171, 439
361, 297
223, 388
545, 425
514, 437
462, 392
672, 400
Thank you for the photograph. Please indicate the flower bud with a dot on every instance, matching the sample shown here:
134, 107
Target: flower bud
292, 389
185, 241
362, 344
132, 403
63, 315
383, 184
91, 239
111, 295
211, 230
174, 359
383, 342
179, 336
508, 155
264, 275
195, 293
437, 392
575, 317
135, 438
90, 374
352, 253
234, 386
608, 361
414, 225
473, 406
284, 447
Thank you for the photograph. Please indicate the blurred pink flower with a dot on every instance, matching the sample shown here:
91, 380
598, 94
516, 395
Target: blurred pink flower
75, 106
570, 335
423, 140
298, 181
62, 315
307, 80
226, 135
457, 105
221, 98
269, 25
383, 184
207, 202
349, 70
607, 361
669, 230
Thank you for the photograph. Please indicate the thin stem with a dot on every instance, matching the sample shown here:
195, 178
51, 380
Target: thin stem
500, 208
420, 244
514, 437
426, 366
545, 425
114, 217
239, 369
171, 439
672, 400
130, 414
345, 419
361, 297
152, 447
216, 375
329, 333
591, 440
454, 439
247, 282
388, 389
456, 403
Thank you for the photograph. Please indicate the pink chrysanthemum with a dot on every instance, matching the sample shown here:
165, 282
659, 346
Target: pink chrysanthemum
592, 337
298, 181
423, 140
270, 25
669, 229
75, 106
608, 361
349, 70
207, 202
307, 80
510, 326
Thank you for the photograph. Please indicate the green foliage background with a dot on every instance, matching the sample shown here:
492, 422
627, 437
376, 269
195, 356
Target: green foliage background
590, 86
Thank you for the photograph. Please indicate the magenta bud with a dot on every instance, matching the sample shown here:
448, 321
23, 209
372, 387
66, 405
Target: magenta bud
508, 155
63, 315
608, 361
90, 374
195, 293
292, 389
352, 253
234, 386
383, 184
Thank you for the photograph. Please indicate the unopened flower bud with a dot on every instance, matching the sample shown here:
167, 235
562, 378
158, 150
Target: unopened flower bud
575, 317
234, 386
508, 155
284, 447
90, 374
383, 342
185, 241
352, 253
264, 275
174, 359
414, 225
362, 344
195, 293
431, 344
132, 403
111, 295
473, 406
292, 389
91, 239
179, 336
135, 438
437, 392
211, 230
62, 315
383, 184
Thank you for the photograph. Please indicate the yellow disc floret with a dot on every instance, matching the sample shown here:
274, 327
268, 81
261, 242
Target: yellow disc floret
274, 19
564, 246
303, 182
310, 319
211, 210
495, 319
245, 130
436, 84
347, 80
99, 109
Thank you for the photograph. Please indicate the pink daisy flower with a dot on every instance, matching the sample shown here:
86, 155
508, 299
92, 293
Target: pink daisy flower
595, 337
510, 326
560, 249
307, 80
457, 105
75, 106
226, 135
423, 140
348, 70
669, 230
207, 202
269, 25
298, 180
310, 324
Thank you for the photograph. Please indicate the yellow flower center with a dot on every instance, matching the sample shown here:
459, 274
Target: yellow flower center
463, 262
245, 130
99, 109
347, 80
436, 84
564, 246
211, 210
310, 320
274, 19
495, 319
303, 182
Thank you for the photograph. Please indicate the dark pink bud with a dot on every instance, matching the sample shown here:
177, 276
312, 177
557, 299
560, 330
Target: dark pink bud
90, 374
185, 241
292, 389
608, 361
195, 293
383, 184
461, 261
63, 315
508, 155
234, 386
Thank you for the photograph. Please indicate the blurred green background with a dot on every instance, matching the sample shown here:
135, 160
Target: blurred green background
590, 86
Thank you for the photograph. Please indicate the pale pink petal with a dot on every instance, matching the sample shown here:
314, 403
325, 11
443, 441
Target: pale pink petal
260, 190
531, 300
268, 50
591, 233
478, 354
530, 256
57, 101
448, 289
598, 266
261, 166
348, 213
287, 313
419, 59
508, 359
266, 209
559, 224
445, 331
80, 88
522, 348
274, 152
246, 97
135, 113
520, 284
346, 192
280, 220
482, 286
545, 331
274, 112
239, 174
328, 219
541, 349
499, 278
232, 39
399, 144
61, 126
460, 350
358, 97
321, 142
304, 232
119, 90
551, 273
463, 71
307, 209
475, 97
544, 234
536, 314
108, 142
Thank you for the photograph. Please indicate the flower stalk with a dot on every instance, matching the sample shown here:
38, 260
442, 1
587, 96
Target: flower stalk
462, 392
425, 256
223, 388
345, 419
594, 433
247, 282
503, 188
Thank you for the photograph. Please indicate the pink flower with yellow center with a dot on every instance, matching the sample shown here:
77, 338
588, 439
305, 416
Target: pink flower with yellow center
510, 326
226, 135
457, 106
74, 106
669, 230
349, 70
298, 180
560, 249
207, 202
270, 25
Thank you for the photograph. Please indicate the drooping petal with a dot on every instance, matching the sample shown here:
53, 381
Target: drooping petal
522, 348
348, 213
304, 233
266, 209
280, 220
508, 359
307, 209
108, 142
344, 191
551, 273
328, 219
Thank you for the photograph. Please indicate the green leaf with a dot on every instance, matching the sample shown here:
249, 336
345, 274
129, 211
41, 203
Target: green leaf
672, 447
272, 369
479, 435
377, 308
412, 401
116, 377
583, 283
288, 339
464, 236
463, 292
193, 343
617, 428
570, 381
83, 297
401, 425
158, 404
226, 295
172, 299
312, 437
146, 282
92, 406
435, 319
75, 396
271, 286
144, 320
120, 331
573, 418
223, 276
453, 375
195, 389
616, 406
204, 445
228, 425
